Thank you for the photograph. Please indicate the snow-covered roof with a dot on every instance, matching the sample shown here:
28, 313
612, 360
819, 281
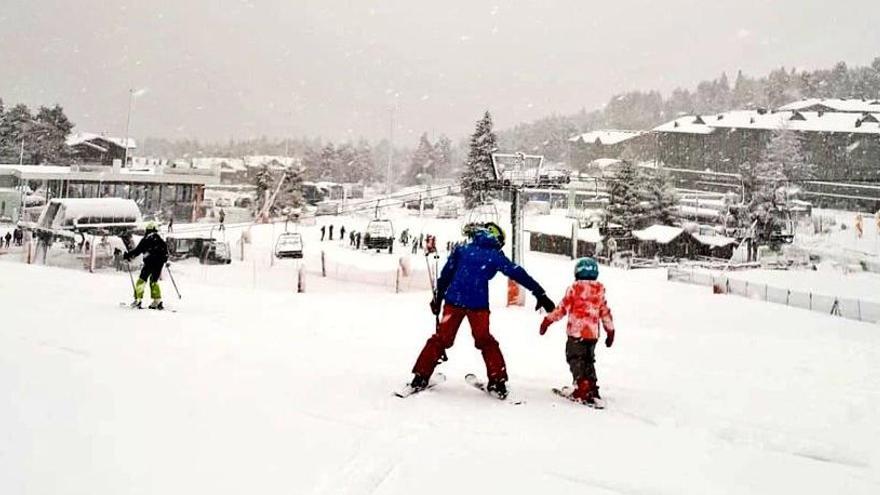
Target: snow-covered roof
842, 122
689, 124
605, 162
155, 175
253, 161
714, 240
209, 163
560, 226
661, 234
852, 105
606, 136
78, 138
72, 211
799, 121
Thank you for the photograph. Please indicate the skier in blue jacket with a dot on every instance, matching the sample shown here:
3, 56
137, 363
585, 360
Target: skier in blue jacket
464, 286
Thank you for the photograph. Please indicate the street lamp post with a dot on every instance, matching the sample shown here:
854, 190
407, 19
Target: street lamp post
127, 126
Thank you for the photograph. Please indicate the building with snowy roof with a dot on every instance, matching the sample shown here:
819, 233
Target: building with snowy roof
843, 145
851, 105
608, 143
178, 192
89, 147
666, 242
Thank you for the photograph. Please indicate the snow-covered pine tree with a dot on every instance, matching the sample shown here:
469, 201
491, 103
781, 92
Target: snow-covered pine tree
443, 156
785, 152
422, 167
328, 162
291, 193
363, 169
263, 180
627, 205
662, 198
479, 163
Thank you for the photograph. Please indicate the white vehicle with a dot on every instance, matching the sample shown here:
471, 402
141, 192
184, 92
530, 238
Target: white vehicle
289, 245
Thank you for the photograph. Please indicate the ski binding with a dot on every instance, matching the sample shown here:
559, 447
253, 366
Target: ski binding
565, 393
407, 390
475, 382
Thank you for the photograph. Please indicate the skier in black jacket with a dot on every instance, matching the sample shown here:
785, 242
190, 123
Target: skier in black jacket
155, 252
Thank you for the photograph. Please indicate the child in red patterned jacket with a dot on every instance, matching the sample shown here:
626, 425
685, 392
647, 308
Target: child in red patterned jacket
585, 305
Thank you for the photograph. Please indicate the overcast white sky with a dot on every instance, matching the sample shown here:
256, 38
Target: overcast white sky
215, 69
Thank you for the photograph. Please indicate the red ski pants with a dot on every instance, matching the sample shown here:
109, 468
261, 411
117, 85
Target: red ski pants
445, 337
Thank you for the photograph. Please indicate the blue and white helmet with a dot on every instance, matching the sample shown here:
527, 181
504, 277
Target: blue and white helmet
586, 269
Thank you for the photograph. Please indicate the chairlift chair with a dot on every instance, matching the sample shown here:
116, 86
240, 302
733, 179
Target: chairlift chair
480, 214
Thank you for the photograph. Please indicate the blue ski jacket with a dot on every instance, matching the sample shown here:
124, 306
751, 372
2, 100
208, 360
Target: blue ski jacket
464, 280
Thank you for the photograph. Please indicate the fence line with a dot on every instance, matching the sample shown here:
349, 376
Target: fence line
854, 309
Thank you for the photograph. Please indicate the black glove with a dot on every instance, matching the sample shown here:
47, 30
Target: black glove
436, 304
126, 256
544, 303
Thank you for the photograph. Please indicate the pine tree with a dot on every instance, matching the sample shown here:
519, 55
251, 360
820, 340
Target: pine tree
443, 156
328, 164
49, 135
662, 198
363, 169
627, 206
263, 180
422, 167
479, 163
784, 151
344, 163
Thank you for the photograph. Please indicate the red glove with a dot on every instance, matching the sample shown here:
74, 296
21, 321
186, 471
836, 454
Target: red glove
609, 338
435, 306
545, 324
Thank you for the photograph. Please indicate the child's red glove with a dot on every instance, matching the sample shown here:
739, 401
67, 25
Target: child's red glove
609, 338
545, 324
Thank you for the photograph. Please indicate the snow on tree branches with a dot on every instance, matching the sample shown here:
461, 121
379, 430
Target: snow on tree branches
479, 163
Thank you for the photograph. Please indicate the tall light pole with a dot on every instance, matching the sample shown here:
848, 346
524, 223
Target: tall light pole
390, 149
127, 126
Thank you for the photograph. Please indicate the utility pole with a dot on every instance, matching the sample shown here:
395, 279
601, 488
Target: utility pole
127, 126
390, 150
21, 153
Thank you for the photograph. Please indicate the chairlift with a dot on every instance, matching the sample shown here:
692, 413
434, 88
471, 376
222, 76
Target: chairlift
379, 235
480, 214
289, 245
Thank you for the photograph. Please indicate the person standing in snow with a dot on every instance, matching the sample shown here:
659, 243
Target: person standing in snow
222, 215
323, 232
342, 233
357, 241
155, 252
8, 239
585, 305
464, 287
331, 232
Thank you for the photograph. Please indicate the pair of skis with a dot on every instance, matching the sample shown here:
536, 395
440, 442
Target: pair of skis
471, 379
129, 306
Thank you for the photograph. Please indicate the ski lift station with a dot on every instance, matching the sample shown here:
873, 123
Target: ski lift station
177, 192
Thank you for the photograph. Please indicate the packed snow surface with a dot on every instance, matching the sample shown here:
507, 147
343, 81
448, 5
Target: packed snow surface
249, 390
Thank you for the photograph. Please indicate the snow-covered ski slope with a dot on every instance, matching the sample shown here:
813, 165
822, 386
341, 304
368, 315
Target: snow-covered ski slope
269, 391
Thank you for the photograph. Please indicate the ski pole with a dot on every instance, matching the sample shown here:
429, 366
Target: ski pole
131, 277
171, 276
